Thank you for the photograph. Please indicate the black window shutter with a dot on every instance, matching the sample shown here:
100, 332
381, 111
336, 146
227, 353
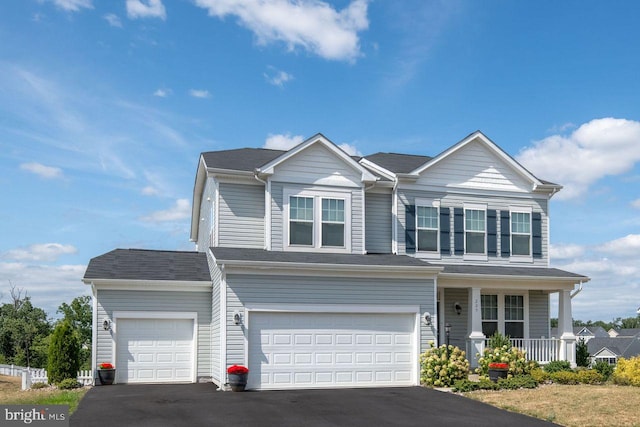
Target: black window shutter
536, 231
410, 229
458, 231
492, 233
445, 243
505, 234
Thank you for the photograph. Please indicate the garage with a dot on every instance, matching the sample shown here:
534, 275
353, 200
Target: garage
156, 350
328, 350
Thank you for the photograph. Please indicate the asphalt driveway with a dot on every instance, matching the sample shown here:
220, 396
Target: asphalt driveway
192, 405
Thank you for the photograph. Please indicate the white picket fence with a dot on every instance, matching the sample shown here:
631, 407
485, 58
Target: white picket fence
32, 375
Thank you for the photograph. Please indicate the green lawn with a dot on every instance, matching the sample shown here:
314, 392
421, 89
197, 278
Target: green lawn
11, 393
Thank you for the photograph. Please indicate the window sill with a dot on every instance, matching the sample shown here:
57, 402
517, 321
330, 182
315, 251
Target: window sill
522, 259
475, 257
428, 255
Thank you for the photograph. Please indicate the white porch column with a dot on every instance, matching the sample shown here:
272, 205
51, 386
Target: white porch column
565, 328
476, 337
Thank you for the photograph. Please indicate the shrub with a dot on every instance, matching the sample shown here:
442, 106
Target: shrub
518, 364
64, 354
582, 353
517, 382
464, 386
38, 386
438, 370
557, 366
627, 371
565, 377
540, 375
68, 384
590, 376
497, 340
604, 369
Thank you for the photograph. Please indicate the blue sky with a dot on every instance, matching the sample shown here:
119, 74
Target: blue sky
105, 107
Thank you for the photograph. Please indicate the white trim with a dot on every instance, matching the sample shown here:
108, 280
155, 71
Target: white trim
267, 215
501, 307
150, 285
182, 315
394, 219
216, 200
474, 207
223, 325
521, 258
377, 168
364, 225
94, 328
432, 203
331, 308
318, 196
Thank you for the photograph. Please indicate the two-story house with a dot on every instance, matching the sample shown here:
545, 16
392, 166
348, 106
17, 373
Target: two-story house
319, 269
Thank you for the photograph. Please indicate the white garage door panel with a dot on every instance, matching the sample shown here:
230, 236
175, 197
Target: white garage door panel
314, 350
154, 350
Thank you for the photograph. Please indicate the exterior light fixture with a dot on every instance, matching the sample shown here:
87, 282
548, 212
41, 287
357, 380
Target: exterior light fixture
236, 317
106, 325
457, 307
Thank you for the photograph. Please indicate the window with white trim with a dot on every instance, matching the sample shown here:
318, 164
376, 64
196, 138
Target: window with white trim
475, 226
317, 220
427, 228
504, 313
521, 233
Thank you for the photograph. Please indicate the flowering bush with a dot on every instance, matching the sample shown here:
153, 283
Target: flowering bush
513, 357
438, 370
627, 371
106, 366
237, 370
496, 365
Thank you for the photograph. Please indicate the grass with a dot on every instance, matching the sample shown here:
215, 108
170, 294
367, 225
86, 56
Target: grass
571, 405
11, 393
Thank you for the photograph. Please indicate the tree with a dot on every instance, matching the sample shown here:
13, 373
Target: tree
582, 353
64, 353
79, 314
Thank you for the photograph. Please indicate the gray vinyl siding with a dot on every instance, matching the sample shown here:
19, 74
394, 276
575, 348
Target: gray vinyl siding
241, 214
141, 301
248, 289
538, 314
497, 202
458, 322
278, 215
378, 222
216, 277
207, 211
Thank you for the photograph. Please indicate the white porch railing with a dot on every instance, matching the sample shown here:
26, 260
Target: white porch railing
542, 350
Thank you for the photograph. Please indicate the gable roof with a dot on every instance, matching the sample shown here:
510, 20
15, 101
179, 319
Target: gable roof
628, 332
241, 159
149, 265
397, 163
621, 346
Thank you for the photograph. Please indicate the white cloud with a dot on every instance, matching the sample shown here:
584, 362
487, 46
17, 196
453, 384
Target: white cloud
350, 149
113, 20
566, 252
39, 252
282, 142
146, 9
313, 25
73, 5
599, 148
636, 204
628, 246
47, 172
277, 77
150, 191
162, 92
180, 210
199, 93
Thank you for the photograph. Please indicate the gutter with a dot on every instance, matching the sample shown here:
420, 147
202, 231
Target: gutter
577, 291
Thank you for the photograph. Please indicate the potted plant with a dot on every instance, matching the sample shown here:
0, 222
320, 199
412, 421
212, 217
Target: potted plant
498, 370
237, 377
106, 373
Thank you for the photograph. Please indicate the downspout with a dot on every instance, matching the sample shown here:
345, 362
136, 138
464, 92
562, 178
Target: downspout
394, 217
577, 291
267, 210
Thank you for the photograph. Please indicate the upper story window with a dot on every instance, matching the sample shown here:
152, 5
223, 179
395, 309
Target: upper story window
317, 220
521, 233
475, 231
427, 228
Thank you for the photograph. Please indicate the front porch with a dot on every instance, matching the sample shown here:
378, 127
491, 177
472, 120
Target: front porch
474, 308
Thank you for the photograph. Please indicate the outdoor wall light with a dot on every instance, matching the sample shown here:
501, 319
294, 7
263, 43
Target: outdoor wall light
106, 325
236, 317
457, 307
427, 318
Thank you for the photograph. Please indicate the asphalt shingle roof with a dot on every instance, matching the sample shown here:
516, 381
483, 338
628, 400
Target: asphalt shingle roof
143, 264
621, 346
243, 254
241, 159
398, 163
510, 271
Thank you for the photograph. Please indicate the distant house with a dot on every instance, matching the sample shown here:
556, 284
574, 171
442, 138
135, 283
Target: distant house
584, 332
620, 343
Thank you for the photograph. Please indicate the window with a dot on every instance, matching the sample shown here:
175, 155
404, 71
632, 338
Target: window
317, 220
475, 227
505, 314
489, 304
301, 221
427, 228
514, 316
521, 233
333, 222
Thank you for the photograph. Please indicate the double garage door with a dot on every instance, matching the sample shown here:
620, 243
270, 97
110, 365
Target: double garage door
318, 350
154, 350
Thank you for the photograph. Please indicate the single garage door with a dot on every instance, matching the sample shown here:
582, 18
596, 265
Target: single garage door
318, 350
154, 350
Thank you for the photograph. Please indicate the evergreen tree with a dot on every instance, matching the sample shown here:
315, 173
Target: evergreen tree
64, 353
582, 354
